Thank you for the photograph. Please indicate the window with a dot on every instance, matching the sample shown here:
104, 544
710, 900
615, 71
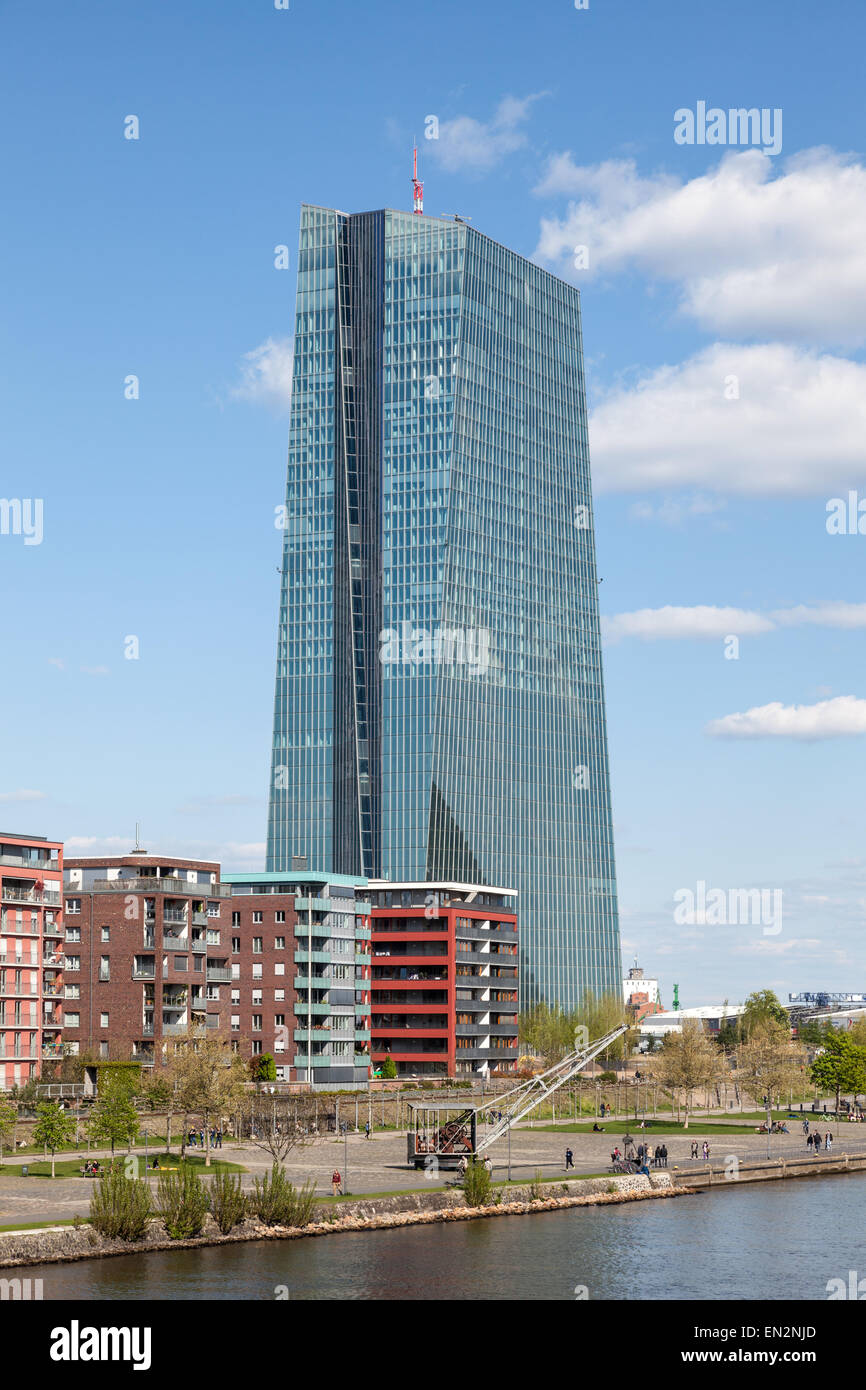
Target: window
258, 918
257, 1049
236, 945
213, 909
279, 995
213, 936
279, 916
71, 1020
257, 944
279, 943
73, 933
71, 992
257, 972
279, 968
105, 933
236, 972
236, 919
73, 963
73, 906
71, 1047
103, 1020
103, 1049
181, 963
257, 1023
236, 1023
104, 968
236, 996
257, 997
279, 1020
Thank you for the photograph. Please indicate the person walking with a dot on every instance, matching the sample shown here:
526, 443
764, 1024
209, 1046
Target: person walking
706, 1152
650, 1156
367, 1130
816, 1140
664, 1155
569, 1159
805, 1126
810, 1139
828, 1141
336, 1183
694, 1148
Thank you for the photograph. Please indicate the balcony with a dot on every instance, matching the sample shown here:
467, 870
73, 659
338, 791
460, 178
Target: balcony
174, 940
314, 1010
199, 919
9, 893
174, 1030
24, 962
19, 861
175, 915
217, 974
146, 972
19, 1054
172, 887
145, 1057
199, 945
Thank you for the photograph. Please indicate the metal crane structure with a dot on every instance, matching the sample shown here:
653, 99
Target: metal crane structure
417, 186
434, 1135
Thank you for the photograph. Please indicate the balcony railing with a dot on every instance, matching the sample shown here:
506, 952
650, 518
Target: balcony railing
173, 887
18, 861
26, 962
20, 895
217, 974
143, 974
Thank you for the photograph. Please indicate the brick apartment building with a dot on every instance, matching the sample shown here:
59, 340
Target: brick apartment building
445, 978
147, 952
31, 954
300, 960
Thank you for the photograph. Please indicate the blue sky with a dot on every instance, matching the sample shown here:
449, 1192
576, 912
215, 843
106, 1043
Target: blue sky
724, 321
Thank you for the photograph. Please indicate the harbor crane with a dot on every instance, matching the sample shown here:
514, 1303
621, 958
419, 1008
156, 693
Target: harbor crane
434, 1135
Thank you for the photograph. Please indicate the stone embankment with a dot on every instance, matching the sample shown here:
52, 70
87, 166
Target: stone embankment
63, 1244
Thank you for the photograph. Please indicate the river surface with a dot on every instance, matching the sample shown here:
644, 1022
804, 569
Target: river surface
768, 1240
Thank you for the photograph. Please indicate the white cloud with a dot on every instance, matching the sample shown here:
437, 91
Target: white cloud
673, 511
756, 248
650, 624
266, 375
841, 717
468, 145
232, 856
798, 425
22, 794
95, 670
827, 614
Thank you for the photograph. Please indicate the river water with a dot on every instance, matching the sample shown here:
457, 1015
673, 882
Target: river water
768, 1240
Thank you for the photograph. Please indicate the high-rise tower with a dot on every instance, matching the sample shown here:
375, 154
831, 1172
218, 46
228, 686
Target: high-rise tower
439, 707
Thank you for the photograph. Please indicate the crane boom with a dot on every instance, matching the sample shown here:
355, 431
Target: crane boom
521, 1099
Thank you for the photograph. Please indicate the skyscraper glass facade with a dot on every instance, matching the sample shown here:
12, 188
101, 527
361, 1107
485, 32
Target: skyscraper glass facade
439, 706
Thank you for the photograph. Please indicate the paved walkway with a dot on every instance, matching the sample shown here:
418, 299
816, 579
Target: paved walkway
379, 1164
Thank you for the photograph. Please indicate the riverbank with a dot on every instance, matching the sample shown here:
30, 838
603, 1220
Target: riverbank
61, 1245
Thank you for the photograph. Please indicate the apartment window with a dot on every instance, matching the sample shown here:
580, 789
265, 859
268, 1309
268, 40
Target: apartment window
279, 1020
236, 972
213, 909
257, 1049
279, 996
71, 992
257, 944
257, 997
103, 1020
236, 996
73, 933
258, 918
279, 968
257, 972
279, 916
181, 963
72, 964
213, 992
71, 1020
236, 945
105, 933
213, 936
103, 1049
71, 1047
340, 1049
236, 919
236, 1023
73, 906
257, 1023
104, 968
279, 943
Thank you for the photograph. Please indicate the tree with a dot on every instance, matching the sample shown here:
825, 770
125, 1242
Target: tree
600, 1014
687, 1061
841, 1066
263, 1068
279, 1124
389, 1068
208, 1077
8, 1122
158, 1094
53, 1128
768, 1062
760, 1007
114, 1119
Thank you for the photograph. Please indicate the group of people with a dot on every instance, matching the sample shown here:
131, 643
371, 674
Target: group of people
705, 1150
813, 1141
645, 1156
215, 1136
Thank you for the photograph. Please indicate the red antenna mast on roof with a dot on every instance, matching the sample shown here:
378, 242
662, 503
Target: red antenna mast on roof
417, 186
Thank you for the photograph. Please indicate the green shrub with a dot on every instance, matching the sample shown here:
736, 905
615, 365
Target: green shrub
227, 1202
476, 1185
536, 1191
120, 1207
182, 1203
277, 1202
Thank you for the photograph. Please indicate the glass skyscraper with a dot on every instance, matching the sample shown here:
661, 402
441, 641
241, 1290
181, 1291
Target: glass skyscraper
439, 708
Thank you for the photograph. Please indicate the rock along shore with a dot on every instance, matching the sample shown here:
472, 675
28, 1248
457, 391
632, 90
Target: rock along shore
68, 1243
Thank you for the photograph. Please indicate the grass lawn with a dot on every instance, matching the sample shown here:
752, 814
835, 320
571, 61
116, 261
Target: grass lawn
35, 1226
71, 1167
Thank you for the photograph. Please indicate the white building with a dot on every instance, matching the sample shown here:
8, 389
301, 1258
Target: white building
637, 983
712, 1016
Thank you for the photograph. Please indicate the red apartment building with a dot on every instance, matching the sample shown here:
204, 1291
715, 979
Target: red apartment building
147, 953
445, 992
31, 954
